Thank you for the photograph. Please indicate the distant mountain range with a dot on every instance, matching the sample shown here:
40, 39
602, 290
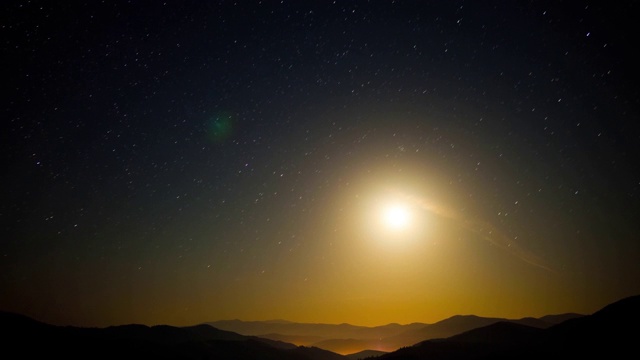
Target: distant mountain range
608, 333
348, 339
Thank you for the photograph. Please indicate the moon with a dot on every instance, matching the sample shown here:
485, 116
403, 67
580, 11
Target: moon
396, 217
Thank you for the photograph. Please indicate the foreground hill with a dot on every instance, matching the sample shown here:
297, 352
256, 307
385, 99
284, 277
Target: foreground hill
608, 333
32, 339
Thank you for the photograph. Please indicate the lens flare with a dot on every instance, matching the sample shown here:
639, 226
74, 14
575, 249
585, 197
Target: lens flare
485, 230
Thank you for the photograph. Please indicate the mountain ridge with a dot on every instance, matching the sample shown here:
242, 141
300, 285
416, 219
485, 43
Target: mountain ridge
605, 331
135, 341
346, 338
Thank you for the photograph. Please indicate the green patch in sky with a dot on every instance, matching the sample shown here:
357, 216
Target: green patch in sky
220, 127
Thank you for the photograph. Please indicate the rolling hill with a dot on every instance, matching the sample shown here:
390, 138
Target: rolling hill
608, 333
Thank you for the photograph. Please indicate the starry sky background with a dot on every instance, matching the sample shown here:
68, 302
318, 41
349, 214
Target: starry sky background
180, 162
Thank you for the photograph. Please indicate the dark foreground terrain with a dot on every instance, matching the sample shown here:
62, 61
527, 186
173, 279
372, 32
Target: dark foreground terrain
608, 333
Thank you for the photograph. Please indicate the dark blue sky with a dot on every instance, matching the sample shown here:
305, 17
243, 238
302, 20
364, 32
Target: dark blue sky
165, 162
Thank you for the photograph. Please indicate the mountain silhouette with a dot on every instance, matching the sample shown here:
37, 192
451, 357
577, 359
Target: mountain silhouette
364, 354
347, 346
300, 340
320, 331
557, 319
500, 332
608, 333
459, 324
29, 338
347, 339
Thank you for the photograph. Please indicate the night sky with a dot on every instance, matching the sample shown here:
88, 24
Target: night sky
183, 161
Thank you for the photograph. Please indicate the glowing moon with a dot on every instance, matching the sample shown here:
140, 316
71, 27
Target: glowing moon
396, 217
